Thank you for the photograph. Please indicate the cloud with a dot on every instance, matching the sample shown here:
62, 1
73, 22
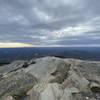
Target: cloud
50, 22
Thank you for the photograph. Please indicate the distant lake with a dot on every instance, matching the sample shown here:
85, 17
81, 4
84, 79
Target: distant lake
10, 54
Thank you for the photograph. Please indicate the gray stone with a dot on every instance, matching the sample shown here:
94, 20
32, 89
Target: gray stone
95, 87
78, 81
14, 66
58, 79
51, 91
17, 84
48, 67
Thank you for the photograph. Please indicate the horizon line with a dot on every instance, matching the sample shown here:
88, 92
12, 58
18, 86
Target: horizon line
42, 46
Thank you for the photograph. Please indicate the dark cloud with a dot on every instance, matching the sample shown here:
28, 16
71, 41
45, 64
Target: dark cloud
50, 22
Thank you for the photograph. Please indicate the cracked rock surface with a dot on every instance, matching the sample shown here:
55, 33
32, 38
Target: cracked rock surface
50, 78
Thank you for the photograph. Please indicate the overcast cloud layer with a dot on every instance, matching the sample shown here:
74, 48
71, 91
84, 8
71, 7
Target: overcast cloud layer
50, 22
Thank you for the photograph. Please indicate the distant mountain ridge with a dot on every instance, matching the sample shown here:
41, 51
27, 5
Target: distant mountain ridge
8, 55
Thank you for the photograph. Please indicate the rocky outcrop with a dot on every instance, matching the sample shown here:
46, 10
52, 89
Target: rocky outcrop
17, 84
52, 91
47, 68
50, 78
14, 66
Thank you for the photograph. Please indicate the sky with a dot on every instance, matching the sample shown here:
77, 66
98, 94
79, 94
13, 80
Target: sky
26, 23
